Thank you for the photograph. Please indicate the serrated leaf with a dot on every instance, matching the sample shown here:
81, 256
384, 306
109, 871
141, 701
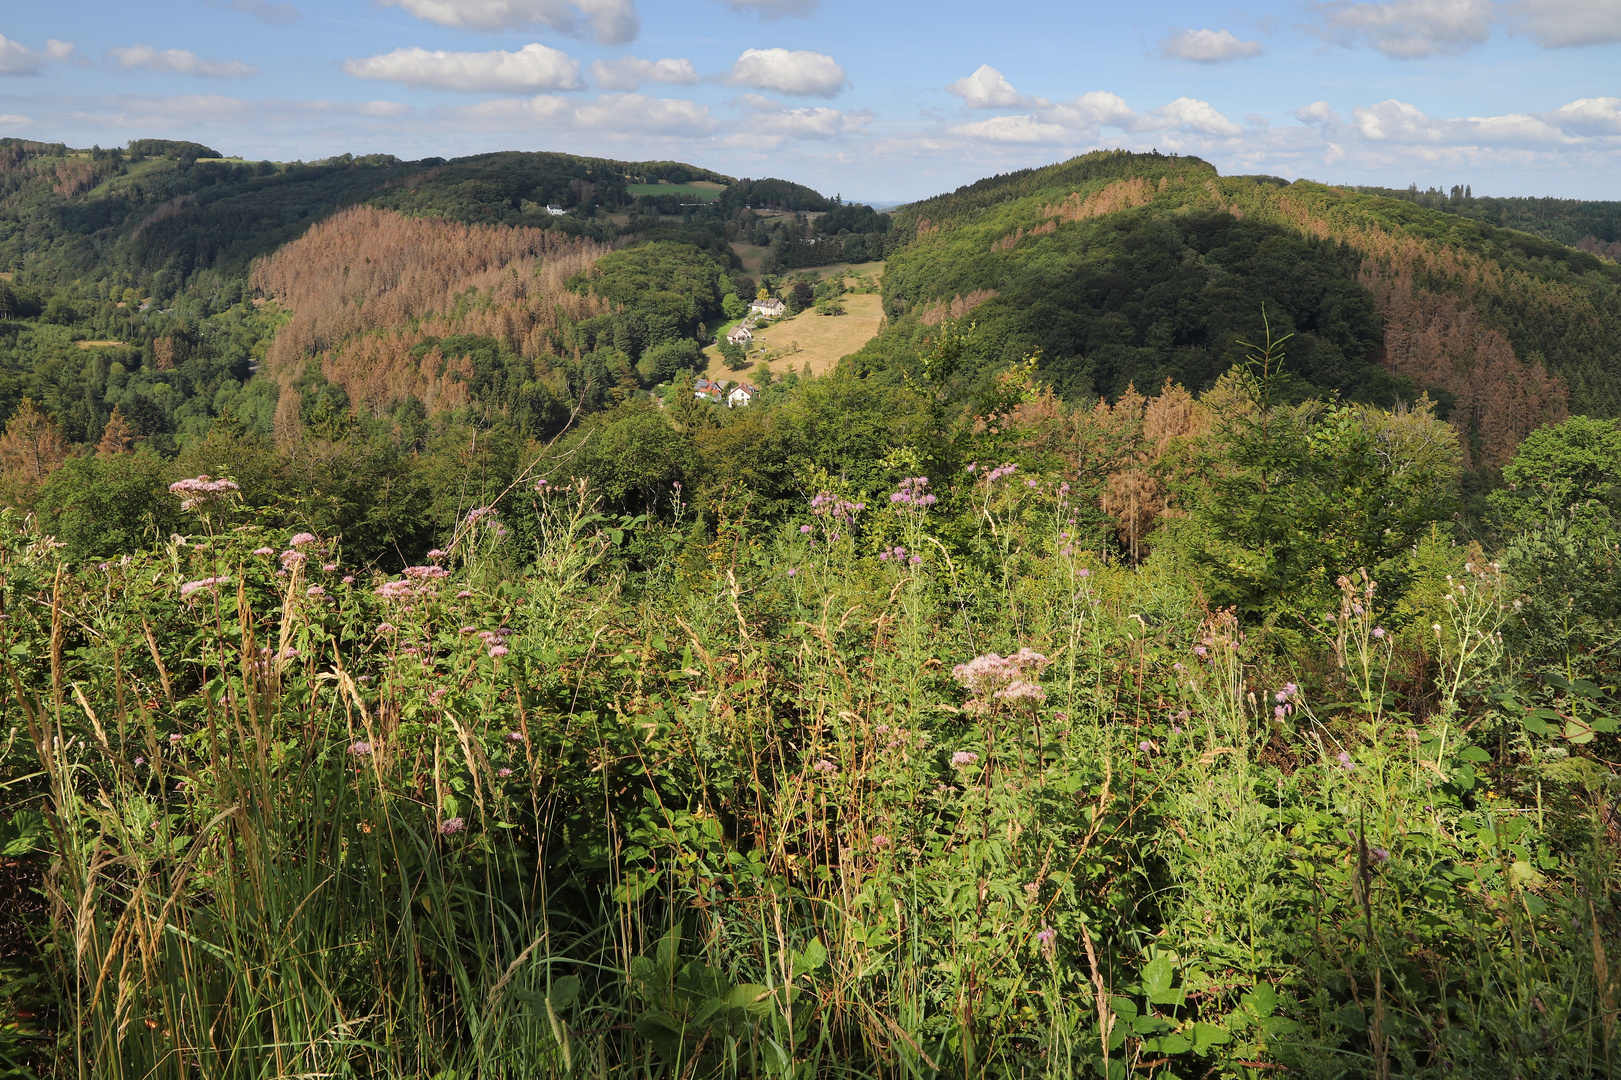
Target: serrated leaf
1157, 975
564, 992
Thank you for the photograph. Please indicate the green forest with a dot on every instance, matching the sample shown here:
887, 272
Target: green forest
1181, 643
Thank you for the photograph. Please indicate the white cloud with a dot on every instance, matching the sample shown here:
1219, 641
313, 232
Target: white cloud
1559, 23
798, 73
18, 59
1394, 120
533, 68
266, 11
1097, 108
613, 117
1409, 29
986, 88
773, 119
13, 118
181, 62
1014, 129
1318, 112
774, 9
611, 22
1589, 116
630, 72
1209, 46
1191, 114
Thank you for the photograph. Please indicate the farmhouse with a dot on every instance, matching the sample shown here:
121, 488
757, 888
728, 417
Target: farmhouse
740, 335
555, 211
741, 395
705, 390
771, 309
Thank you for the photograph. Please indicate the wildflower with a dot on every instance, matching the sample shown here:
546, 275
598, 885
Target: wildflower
202, 493
300, 539
464, 594
825, 766
1145, 746
315, 590
329, 567
174, 740
348, 579
1379, 855
963, 758
1200, 650
359, 749
1280, 712
287, 654
139, 761
1061, 717
1046, 935
515, 737
792, 572
395, 590
385, 628
1344, 758
913, 494
451, 826
503, 772
1379, 633
264, 551
1288, 693
916, 559
426, 573
498, 650
290, 559
880, 841
1022, 691
435, 555
204, 583
804, 529
1083, 572
883, 556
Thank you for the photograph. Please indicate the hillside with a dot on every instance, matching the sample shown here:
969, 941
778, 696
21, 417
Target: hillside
162, 219
1120, 269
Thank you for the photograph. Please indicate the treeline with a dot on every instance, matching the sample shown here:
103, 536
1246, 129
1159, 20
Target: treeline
1589, 224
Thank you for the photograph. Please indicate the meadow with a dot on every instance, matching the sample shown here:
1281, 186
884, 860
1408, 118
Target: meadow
927, 780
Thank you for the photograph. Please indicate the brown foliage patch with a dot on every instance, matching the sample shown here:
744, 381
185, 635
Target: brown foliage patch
367, 285
955, 308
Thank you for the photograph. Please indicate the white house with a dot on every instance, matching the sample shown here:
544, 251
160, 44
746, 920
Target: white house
555, 211
705, 390
740, 335
741, 395
771, 309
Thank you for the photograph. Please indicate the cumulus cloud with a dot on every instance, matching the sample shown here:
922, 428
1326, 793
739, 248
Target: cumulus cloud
774, 119
18, 59
797, 73
614, 117
611, 22
1318, 112
1209, 46
773, 9
1589, 116
1410, 29
630, 72
180, 62
1191, 114
1097, 108
533, 68
1014, 129
986, 88
266, 11
1561, 23
14, 118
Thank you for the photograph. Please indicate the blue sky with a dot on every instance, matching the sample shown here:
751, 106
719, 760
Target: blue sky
882, 101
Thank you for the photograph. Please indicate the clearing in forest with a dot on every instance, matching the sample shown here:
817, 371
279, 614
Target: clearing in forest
822, 339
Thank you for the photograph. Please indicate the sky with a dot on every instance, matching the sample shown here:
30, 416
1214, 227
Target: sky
875, 101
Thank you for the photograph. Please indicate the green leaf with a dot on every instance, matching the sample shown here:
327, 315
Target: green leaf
1263, 1001
1157, 976
1168, 1044
1207, 1035
1474, 753
810, 958
564, 992
1578, 733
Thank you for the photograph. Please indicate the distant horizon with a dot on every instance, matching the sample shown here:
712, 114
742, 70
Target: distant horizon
902, 98
877, 204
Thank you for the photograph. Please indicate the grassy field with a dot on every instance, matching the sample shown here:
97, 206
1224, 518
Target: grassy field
700, 190
823, 339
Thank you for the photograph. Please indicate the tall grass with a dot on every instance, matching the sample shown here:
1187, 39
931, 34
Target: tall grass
749, 806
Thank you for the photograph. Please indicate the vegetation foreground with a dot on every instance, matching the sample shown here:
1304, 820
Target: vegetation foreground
916, 781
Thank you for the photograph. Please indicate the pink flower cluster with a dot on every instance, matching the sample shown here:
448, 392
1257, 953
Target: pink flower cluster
963, 758
487, 515
994, 674
205, 583
201, 492
898, 553
826, 504
1000, 471
300, 539
913, 495
426, 573
1285, 699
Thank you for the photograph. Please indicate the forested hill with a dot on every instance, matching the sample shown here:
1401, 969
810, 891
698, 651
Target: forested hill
165, 217
1118, 269
1588, 224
